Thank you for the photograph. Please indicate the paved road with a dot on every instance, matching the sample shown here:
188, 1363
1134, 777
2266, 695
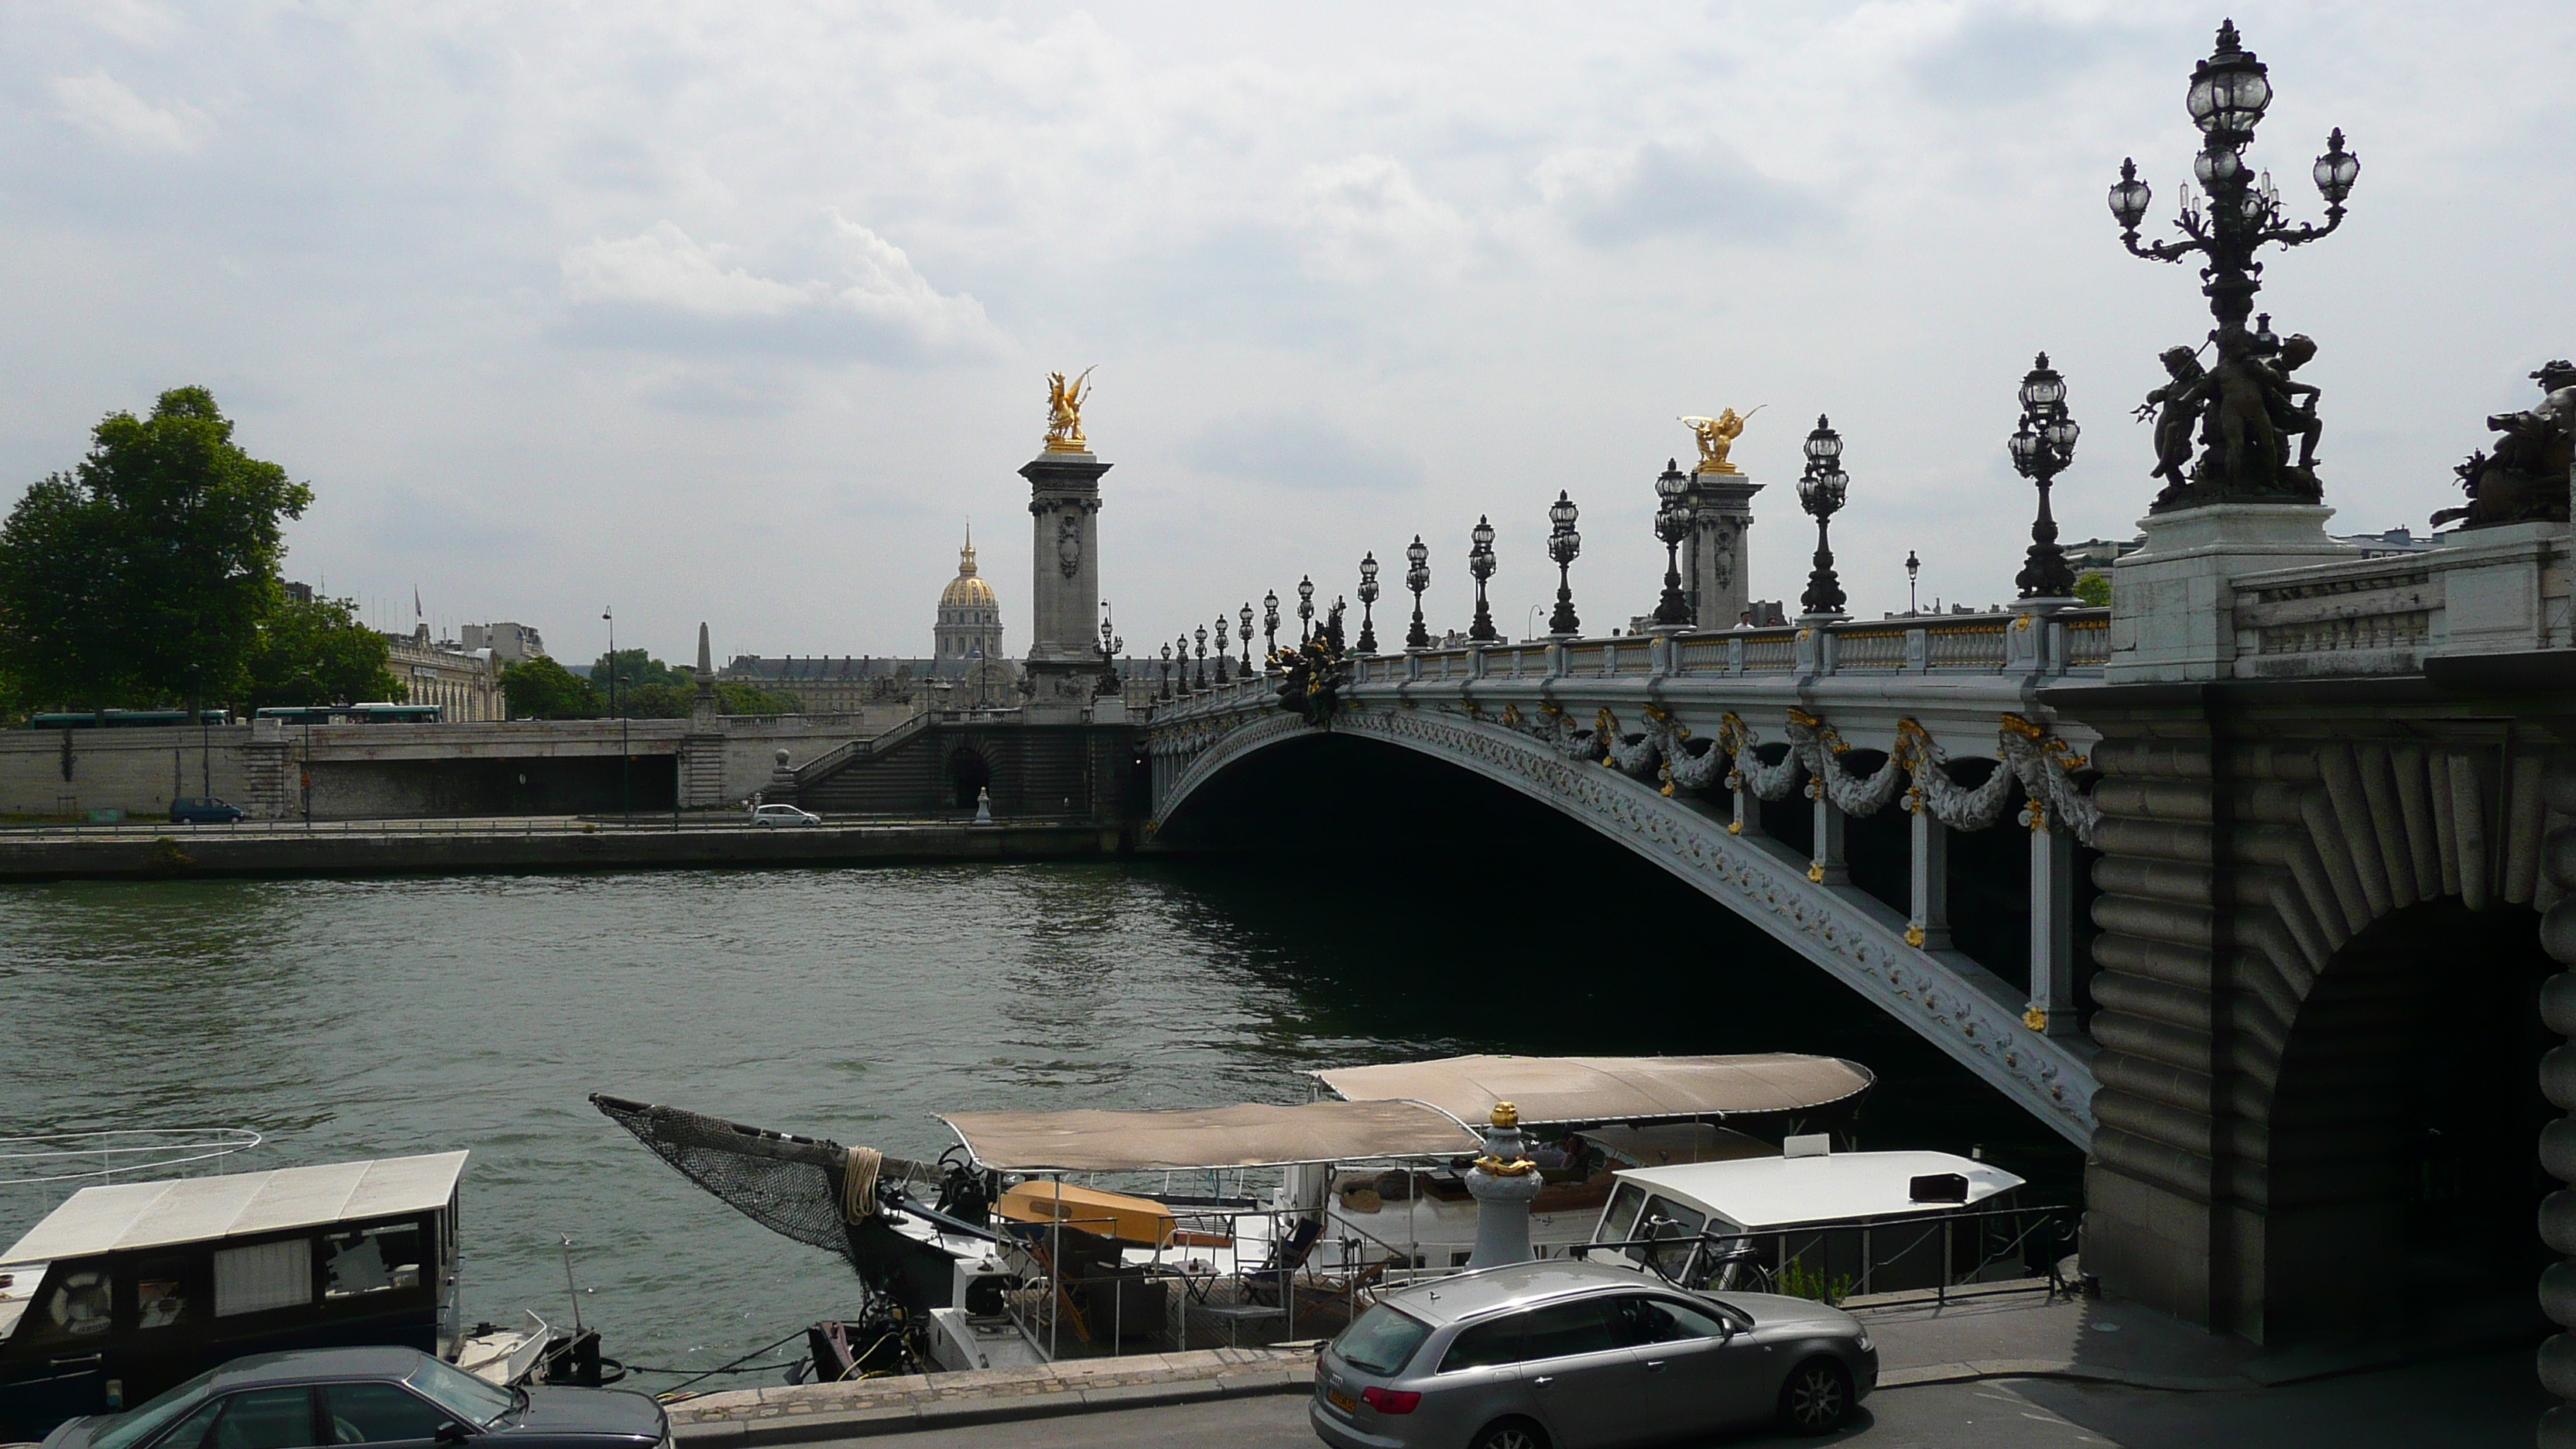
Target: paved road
2465, 1404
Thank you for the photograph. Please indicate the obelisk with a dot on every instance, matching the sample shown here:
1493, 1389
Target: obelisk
1064, 560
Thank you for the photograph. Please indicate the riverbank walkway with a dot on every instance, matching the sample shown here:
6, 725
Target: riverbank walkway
1938, 1362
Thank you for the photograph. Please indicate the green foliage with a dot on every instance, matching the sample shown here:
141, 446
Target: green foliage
738, 698
633, 669
319, 653
543, 689
1797, 1280
2094, 587
654, 700
143, 576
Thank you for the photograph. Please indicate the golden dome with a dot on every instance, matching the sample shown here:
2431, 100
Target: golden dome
966, 590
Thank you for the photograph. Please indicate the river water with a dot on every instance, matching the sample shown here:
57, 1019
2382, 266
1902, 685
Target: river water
357, 1018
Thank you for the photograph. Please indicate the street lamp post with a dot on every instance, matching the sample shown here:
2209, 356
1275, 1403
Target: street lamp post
625, 754
1111, 682
1821, 491
1368, 602
2041, 448
1224, 661
1913, 566
1305, 610
1672, 525
1270, 632
1417, 577
1480, 562
2246, 453
1167, 672
1203, 675
1563, 545
1246, 617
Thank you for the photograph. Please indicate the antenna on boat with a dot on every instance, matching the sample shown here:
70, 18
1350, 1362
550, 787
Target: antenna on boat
571, 1287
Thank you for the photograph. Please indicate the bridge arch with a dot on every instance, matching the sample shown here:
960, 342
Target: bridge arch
1965, 1010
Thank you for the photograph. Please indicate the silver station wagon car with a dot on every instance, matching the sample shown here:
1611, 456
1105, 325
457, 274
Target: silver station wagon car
1572, 1355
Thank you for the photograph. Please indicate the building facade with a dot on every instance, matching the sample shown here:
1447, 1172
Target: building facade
464, 683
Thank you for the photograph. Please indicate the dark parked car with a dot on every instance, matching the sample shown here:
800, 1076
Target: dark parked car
370, 1396
202, 810
1575, 1355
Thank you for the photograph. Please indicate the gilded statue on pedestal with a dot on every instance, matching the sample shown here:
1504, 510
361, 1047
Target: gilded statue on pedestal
1064, 413
1716, 435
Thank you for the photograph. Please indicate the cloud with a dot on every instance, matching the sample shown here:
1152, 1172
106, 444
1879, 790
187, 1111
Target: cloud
1659, 189
111, 112
1292, 450
834, 288
1363, 217
1995, 59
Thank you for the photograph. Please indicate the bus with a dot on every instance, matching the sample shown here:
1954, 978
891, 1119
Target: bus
126, 718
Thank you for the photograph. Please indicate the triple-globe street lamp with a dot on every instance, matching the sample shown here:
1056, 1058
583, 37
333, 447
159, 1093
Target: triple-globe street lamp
1368, 601
1480, 562
1417, 577
1563, 545
1820, 492
1672, 525
2041, 448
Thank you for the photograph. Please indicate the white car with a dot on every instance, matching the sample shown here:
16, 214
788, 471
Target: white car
783, 815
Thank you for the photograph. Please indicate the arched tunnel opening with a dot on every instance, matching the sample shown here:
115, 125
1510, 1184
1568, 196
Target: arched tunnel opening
1480, 918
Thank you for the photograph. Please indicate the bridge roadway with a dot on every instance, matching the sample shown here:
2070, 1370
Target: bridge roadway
1665, 743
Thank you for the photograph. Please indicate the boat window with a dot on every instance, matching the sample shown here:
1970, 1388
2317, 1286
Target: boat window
160, 1295
1561, 1330
471, 1399
1482, 1345
375, 1260
1621, 1220
265, 1419
263, 1276
380, 1413
1643, 1318
1665, 1218
80, 1306
1382, 1341
138, 1423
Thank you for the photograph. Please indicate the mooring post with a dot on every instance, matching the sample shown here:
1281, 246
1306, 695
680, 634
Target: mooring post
1504, 1182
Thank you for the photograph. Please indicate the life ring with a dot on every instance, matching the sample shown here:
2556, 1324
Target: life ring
80, 1305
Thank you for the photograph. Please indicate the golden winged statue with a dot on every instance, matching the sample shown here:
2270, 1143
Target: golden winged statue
1064, 413
1716, 435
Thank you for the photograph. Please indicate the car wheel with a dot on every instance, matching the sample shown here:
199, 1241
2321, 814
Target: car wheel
1509, 1434
1817, 1399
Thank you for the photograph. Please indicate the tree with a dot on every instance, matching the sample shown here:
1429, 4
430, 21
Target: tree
739, 698
143, 576
632, 669
542, 689
317, 652
2093, 587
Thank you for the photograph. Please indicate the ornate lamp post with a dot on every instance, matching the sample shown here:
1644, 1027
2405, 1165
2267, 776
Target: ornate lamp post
1203, 679
2041, 448
1417, 577
1820, 492
1305, 610
1245, 618
1672, 525
1270, 632
2247, 454
1167, 671
1563, 545
1480, 562
1913, 566
1224, 661
1368, 603
1111, 681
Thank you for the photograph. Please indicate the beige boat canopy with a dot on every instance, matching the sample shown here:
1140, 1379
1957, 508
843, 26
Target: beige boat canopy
1250, 1135
1585, 1090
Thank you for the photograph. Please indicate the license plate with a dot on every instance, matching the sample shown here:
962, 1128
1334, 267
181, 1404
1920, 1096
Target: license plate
1341, 1400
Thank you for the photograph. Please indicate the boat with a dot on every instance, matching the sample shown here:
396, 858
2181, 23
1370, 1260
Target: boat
128, 1288
1223, 1226
1825, 1224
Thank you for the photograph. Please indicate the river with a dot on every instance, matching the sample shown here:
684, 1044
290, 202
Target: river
377, 1017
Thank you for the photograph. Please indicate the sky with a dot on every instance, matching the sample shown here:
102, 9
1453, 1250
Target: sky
738, 313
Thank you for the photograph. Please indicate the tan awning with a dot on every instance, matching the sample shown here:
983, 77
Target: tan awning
1250, 1135
1609, 1089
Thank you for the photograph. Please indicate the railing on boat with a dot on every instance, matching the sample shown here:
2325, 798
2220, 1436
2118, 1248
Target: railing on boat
1936, 1255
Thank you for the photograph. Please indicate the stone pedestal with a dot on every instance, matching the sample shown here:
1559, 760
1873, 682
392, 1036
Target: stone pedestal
1504, 1183
1715, 554
2172, 602
1064, 588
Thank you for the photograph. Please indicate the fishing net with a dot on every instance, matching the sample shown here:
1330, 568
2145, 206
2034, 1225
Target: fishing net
789, 1185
